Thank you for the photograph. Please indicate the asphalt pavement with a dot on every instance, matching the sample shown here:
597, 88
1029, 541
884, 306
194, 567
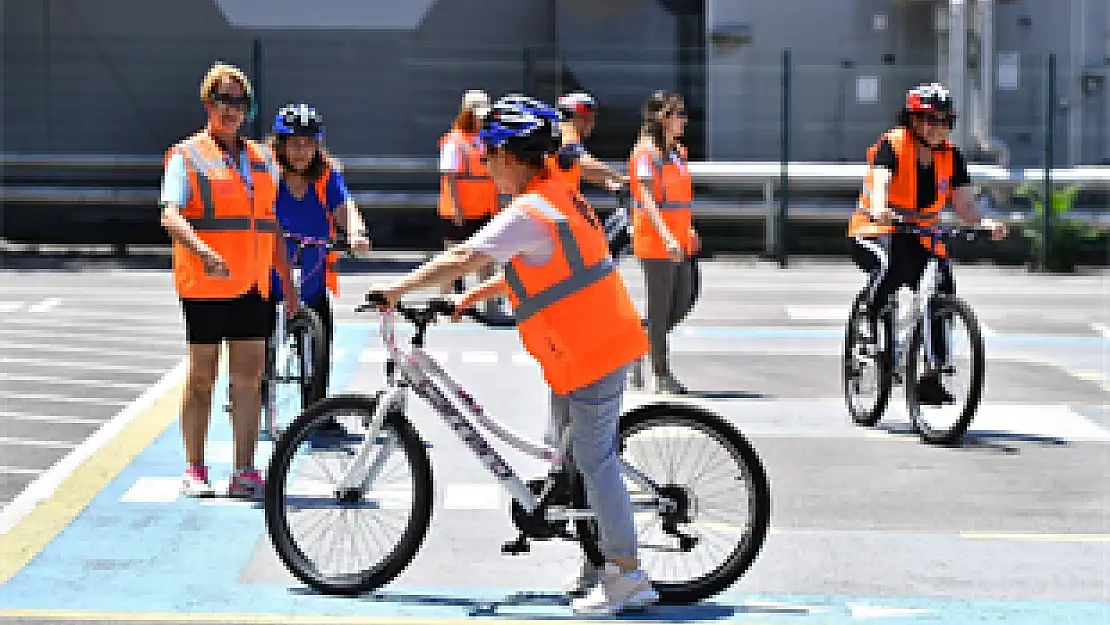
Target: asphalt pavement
868, 523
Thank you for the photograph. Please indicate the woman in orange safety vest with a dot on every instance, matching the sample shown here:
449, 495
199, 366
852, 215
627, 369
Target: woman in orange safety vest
663, 235
584, 338
468, 197
915, 172
218, 207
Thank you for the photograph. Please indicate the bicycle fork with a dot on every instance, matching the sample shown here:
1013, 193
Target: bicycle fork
363, 470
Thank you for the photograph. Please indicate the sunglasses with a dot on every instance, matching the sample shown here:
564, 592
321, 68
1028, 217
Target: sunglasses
938, 120
234, 101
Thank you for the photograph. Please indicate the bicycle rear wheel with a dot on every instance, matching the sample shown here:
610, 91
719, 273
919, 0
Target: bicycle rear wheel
933, 428
309, 454
861, 360
723, 452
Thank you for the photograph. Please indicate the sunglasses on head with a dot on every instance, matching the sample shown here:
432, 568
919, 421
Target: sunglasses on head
228, 99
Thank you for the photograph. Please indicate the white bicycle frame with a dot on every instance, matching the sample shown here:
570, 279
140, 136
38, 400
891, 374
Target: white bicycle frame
418, 370
926, 289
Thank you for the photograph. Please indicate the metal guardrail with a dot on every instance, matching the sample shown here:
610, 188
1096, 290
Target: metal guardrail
724, 174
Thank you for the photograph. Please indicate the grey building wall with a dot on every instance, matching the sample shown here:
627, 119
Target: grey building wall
122, 76
838, 43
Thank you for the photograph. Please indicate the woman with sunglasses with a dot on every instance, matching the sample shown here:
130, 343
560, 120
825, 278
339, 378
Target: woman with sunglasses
915, 172
663, 235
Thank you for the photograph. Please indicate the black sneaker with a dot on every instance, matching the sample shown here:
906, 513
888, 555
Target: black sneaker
931, 392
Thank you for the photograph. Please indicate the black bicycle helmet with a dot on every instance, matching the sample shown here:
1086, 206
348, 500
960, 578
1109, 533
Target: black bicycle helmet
299, 120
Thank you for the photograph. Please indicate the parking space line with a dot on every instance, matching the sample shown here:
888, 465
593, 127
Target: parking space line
72, 364
85, 350
16, 440
73, 381
102, 401
24, 416
51, 502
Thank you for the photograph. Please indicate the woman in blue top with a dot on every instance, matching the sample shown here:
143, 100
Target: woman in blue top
312, 201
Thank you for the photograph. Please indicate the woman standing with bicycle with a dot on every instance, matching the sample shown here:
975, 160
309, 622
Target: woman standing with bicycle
663, 235
313, 203
551, 242
915, 172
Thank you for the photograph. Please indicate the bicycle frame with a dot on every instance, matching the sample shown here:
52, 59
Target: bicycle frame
923, 296
420, 372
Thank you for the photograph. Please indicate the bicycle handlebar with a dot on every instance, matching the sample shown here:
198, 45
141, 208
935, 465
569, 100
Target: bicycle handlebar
970, 232
439, 307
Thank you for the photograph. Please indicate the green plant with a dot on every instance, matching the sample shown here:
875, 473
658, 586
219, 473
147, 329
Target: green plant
1065, 233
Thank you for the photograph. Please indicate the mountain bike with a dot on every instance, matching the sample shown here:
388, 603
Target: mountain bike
546, 508
903, 345
297, 351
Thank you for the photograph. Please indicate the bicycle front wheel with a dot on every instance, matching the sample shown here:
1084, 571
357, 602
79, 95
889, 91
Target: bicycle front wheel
720, 492
942, 422
312, 356
303, 494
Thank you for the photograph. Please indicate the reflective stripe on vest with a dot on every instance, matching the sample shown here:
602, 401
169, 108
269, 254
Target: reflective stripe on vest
661, 201
580, 276
209, 222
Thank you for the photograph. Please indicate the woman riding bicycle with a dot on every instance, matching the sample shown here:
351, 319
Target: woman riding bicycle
312, 202
574, 315
915, 171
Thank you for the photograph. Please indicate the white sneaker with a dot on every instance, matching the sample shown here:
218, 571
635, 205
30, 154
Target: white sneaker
195, 483
616, 592
583, 581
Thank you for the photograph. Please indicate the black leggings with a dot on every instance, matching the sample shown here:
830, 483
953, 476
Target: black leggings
894, 261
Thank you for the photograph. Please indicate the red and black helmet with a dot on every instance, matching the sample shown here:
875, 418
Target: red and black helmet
930, 98
576, 103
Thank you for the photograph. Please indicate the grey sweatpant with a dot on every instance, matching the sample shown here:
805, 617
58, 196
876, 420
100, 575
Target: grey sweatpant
593, 413
670, 294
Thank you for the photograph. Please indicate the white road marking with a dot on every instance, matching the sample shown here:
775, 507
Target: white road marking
19, 471
39, 347
68, 420
45, 485
153, 490
69, 364
478, 496
45, 305
106, 401
482, 358
10, 306
1102, 329
91, 336
73, 382
16, 440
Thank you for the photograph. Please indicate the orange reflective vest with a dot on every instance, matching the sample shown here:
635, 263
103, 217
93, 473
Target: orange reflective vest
238, 224
672, 189
331, 275
472, 187
574, 314
901, 193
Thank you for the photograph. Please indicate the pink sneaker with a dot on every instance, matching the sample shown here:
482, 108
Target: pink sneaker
246, 484
195, 482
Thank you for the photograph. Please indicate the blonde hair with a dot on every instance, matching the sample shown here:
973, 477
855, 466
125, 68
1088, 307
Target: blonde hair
218, 72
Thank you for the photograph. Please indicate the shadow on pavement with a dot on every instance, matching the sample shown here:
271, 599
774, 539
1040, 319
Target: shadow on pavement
532, 599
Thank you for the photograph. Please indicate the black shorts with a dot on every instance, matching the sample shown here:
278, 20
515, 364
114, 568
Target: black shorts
211, 321
458, 233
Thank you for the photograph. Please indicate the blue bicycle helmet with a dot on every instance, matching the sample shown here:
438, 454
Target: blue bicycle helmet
523, 126
299, 120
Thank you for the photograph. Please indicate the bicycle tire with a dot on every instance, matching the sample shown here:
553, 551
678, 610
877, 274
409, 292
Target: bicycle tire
277, 525
307, 327
947, 436
741, 558
885, 376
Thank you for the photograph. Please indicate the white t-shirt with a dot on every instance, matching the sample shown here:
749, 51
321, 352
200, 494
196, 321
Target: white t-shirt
513, 233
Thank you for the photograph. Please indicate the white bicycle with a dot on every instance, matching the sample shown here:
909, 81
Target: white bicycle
310, 471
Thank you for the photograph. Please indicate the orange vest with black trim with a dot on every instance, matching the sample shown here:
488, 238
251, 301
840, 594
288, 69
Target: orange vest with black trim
472, 187
672, 189
238, 224
574, 314
331, 275
901, 194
